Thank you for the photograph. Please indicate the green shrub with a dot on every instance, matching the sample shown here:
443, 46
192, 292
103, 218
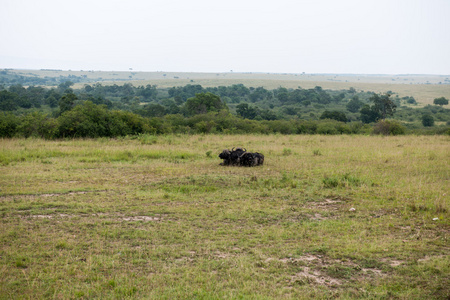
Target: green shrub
326, 128
287, 151
37, 124
8, 124
427, 120
306, 127
388, 127
91, 120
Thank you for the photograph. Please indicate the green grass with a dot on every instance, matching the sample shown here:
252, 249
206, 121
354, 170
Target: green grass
156, 217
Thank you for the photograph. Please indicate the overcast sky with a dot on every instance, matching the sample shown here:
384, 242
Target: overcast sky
278, 36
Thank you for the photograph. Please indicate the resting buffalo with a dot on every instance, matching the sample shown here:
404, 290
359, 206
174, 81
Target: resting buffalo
226, 156
249, 159
236, 154
240, 157
231, 157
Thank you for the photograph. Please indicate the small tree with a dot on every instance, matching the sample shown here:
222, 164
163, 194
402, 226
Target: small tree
427, 120
440, 101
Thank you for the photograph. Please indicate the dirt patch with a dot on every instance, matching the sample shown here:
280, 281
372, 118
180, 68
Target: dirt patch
49, 216
393, 263
59, 194
316, 269
306, 258
318, 217
309, 275
111, 217
170, 203
326, 204
184, 259
428, 258
42, 216
142, 218
10, 197
222, 255
372, 271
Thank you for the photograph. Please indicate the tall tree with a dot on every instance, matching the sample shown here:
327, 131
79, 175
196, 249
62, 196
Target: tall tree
383, 105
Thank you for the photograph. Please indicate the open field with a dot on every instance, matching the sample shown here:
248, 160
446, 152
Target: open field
156, 217
424, 88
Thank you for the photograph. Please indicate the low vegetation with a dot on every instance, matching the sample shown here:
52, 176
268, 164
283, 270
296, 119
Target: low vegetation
157, 217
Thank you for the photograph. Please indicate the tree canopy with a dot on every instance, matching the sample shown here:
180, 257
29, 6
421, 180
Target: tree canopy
203, 103
440, 101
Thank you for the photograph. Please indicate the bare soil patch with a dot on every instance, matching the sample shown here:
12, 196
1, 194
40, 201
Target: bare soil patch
142, 218
49, 216
9, 197
315, 269
315, 276
326, 204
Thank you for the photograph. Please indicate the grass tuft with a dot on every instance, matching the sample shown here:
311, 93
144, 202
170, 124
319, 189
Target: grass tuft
344, 180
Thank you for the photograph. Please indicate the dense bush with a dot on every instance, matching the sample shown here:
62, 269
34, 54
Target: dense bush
427, 120
37, 124
388, 127
8, 124
334, 115
90, 120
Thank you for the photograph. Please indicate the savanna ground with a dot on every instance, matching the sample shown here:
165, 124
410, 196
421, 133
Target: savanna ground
158, 217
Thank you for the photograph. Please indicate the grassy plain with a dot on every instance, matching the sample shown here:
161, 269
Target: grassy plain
157, 217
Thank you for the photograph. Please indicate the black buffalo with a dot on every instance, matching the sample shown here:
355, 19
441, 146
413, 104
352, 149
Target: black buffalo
249, 159
226, 156
240, 157
232, 157
236, 155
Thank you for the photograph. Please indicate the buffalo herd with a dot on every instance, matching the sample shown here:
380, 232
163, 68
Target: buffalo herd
240, 157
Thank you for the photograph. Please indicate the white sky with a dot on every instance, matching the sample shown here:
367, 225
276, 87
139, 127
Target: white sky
312, 36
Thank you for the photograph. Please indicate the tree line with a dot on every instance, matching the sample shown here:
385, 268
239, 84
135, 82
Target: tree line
116, 110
